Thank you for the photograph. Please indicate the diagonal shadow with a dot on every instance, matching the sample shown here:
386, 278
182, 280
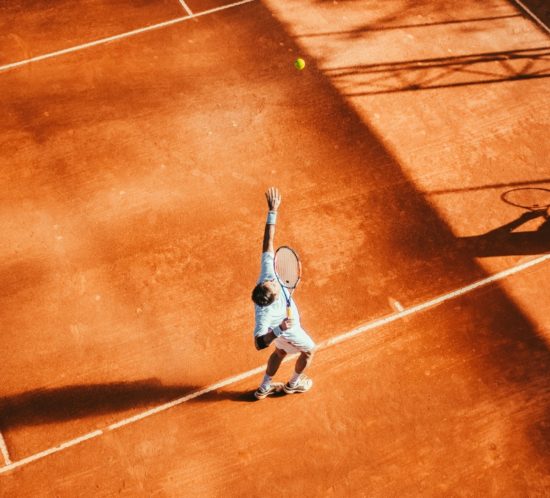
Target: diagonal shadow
538, 8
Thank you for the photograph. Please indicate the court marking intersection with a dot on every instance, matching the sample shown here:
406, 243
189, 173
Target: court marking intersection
190, 15
377, 323
120, 36
186, 7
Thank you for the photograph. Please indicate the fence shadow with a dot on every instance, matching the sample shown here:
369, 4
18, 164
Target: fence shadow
442, 72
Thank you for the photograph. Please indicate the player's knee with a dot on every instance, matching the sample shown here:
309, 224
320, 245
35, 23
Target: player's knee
280, 353
308, 355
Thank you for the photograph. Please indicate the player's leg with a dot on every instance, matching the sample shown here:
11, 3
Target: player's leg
299, 382
274, 362
302, 343
268, 387
303, 361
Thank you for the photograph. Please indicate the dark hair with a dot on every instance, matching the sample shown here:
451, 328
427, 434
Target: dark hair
262, 295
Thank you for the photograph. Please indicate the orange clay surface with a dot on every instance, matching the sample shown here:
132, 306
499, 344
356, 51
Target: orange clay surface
132, 216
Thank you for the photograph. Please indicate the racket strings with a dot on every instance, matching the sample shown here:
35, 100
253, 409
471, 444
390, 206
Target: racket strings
287, 267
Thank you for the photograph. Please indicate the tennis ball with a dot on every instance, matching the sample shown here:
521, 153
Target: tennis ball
299, 64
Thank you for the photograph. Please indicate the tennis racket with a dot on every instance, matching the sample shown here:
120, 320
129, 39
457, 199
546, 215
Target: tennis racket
532, 198
288, 270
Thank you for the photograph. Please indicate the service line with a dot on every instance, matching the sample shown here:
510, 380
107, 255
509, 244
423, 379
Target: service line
120, 36
380, 322
186, 8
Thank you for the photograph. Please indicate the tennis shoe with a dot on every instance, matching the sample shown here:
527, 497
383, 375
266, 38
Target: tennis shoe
304, 384
263, 392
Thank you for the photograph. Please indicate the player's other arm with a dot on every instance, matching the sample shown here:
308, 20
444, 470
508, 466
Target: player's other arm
264, 338
273, 202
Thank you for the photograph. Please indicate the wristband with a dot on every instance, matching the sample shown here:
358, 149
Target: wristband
271, 218
277, 331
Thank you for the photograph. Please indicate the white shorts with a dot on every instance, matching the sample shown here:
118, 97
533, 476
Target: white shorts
296, 340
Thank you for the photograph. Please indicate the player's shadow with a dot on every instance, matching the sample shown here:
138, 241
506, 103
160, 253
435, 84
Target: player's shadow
241, 396
503, 241
45, 406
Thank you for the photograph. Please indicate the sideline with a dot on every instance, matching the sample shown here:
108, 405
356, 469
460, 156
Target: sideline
323, 345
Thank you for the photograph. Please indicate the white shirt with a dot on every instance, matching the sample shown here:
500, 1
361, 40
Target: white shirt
269, 317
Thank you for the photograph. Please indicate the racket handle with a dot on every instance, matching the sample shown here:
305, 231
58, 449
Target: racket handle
289, 312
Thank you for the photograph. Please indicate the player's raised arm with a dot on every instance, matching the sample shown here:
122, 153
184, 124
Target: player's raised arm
273, 202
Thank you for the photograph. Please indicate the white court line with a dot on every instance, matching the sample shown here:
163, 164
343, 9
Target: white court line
532, 14
179, 401
121, 36
186, 8
433, 302
325, 344
4, 450
51, 451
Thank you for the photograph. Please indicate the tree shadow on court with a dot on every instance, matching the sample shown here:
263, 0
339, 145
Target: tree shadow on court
45, 406
503, 241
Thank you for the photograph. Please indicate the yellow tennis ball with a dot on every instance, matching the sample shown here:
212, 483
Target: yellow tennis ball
299, 64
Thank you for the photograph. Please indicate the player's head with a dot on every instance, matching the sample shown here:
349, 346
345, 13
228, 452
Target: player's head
265, 292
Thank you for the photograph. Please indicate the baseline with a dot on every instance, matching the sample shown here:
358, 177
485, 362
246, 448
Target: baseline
120, 36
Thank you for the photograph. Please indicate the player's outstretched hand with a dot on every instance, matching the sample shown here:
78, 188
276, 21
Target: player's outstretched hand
273, 198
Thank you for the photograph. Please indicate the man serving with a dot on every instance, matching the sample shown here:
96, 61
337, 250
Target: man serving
272, 323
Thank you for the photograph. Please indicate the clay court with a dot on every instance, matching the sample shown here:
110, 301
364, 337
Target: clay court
137, 141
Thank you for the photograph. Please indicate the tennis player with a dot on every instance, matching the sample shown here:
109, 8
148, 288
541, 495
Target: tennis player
272, 324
